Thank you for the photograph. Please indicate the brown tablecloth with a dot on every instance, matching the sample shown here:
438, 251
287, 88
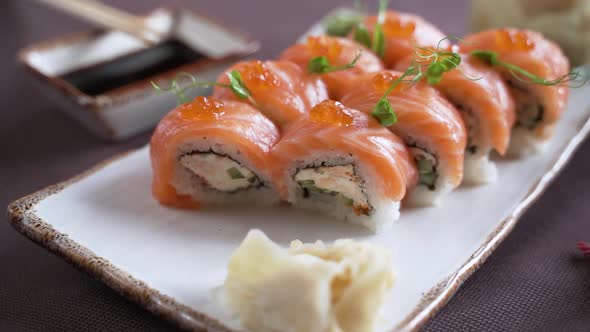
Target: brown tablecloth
535, 281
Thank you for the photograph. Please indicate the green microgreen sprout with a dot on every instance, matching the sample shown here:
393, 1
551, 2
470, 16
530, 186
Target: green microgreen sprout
321, 64
377, 42
440, 62
492, 58
341, 24
383, 111
362, 36
180, 90
237, 85
177, 88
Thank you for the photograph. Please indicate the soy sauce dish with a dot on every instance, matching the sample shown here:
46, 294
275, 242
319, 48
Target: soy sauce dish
103, 78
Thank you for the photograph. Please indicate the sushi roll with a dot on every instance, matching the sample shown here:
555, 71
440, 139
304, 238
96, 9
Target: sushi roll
212, 152
430, 126
486, 106
339, 52
280, 89
342, 163
402, 32
538, 107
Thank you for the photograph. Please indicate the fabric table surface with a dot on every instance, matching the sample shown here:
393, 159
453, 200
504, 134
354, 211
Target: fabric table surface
535, 281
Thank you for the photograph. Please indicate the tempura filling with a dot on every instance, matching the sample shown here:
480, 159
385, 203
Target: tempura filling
340, 181
427, 164
219, 172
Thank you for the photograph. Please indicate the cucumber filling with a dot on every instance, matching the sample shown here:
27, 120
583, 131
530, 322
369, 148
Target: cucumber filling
338, 181
219, 172
427, 167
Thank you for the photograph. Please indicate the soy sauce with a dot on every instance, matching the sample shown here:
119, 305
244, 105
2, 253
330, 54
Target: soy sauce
140, 65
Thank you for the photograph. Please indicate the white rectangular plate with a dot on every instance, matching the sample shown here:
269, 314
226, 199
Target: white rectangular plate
106, 222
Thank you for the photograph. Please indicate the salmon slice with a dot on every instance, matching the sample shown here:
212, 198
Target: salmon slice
339, 52
430, 126
538, 107
208, 125
486, 106
340, 152
281, 89
402, 32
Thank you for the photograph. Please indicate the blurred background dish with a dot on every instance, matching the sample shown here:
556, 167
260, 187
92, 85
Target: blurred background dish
103, 79
566, 22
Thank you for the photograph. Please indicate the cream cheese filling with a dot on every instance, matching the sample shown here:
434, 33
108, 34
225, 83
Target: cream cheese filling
219, 172
334, 180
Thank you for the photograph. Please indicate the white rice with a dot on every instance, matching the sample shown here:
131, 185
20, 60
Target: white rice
478, 169
524, 143
423, 196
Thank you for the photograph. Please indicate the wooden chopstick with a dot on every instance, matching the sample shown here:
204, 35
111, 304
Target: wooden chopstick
107, 17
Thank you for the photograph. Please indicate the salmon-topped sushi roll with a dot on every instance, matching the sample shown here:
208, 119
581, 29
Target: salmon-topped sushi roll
210, 152
342, 63
538, 106
343, 163
402, 32
486, 106
280, 89
429, 125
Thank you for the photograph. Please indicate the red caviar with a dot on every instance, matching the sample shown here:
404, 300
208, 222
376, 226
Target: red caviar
323, 45
256, 75
202, 108
383, 81
513, 40
332, 112
394, 27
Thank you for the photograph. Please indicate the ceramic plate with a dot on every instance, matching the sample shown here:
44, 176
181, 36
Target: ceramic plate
169, 261
106, 222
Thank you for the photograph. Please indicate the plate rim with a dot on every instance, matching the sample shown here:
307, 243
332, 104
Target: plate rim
22, 217
439, 295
